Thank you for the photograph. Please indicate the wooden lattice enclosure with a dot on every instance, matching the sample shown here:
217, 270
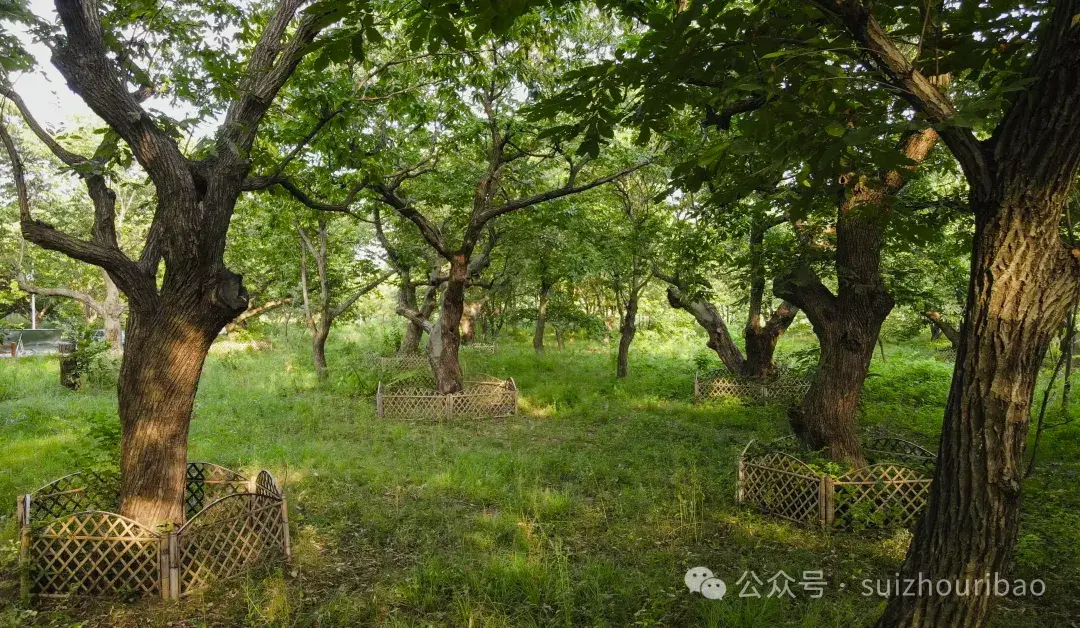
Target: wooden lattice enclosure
71, 544
480, 347
784, 386
484, 398
402, 362
890, 493
946, 353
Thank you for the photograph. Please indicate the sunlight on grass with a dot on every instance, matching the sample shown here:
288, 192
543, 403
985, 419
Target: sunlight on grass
585, 509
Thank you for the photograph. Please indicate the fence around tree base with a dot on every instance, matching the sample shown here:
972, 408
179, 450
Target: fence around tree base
71, 544
890, 493
402, 362
783, 387
487, 398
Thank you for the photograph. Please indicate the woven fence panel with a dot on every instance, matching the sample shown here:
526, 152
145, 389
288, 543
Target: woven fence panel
779, 484
403, 362
786, 387
87, 490
488, 398
880, 495
227, 537
207, 482
94, 553
946, 353
887, 447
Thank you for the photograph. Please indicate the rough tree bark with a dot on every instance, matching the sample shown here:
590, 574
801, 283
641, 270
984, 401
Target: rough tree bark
1023, 280
171, 325
847, 324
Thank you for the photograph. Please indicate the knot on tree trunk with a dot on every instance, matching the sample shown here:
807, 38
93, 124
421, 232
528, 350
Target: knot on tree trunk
229, 294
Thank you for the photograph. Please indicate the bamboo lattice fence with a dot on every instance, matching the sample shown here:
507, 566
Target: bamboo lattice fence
71, 544
783, 387
402, 362
946, 353
485, 398
890, 493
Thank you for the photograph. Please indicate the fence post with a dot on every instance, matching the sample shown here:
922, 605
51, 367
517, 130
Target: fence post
697, 386
740, 494
826, 498
24, 554
379, 401
163, 561
448, 407
174, 565
286, 542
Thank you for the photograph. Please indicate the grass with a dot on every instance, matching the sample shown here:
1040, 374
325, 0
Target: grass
585, 510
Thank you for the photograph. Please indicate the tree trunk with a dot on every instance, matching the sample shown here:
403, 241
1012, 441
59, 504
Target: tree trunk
942, 326
410, 341
445, 338
318, 351
761, 339
112, 310
158, 379
541, 318
710, 320
827, 417
627, 329
468, 322
1018, 295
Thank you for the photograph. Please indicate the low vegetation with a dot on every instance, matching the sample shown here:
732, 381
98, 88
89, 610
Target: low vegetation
584, 510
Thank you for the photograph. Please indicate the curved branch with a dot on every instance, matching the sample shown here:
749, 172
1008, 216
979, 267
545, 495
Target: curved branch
915, 87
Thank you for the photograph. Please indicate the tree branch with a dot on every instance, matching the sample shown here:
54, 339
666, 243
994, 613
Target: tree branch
916, 88
124, 272
347, 303
493, 212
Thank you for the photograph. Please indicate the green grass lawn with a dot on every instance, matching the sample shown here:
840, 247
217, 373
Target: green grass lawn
584, 510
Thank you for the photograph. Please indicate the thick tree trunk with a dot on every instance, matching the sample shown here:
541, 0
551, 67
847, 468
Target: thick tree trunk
942, 326
847, 324
627, 330
761, 339
1022, 283
445, 338
541, 318
827, 417
158, 379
